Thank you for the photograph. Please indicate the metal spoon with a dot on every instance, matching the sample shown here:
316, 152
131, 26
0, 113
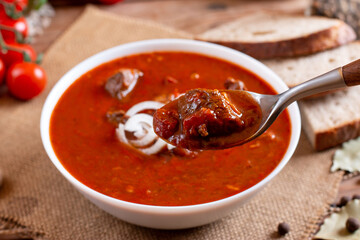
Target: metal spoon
273, 105
270, 107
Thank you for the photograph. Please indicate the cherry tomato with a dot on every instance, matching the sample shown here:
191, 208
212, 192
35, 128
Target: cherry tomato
2, 71
11, 56
109, 1
25, 80
20, 25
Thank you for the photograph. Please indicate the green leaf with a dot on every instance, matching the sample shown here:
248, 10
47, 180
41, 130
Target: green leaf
39, 3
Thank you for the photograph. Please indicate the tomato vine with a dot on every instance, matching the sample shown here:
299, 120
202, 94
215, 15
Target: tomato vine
19, 61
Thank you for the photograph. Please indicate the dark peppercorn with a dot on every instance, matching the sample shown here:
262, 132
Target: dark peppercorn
356, 196
283, 228
333, 205
352, 224
217, 6
344, 200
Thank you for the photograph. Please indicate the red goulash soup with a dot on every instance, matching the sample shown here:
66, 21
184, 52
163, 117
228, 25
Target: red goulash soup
83, 132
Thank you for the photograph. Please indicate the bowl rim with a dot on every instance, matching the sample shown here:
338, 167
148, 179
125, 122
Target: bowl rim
158, 45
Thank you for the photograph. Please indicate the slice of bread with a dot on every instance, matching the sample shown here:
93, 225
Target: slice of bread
300, 69
267, 35
332, 119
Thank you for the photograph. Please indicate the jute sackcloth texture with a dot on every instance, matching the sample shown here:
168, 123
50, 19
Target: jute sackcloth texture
35, 194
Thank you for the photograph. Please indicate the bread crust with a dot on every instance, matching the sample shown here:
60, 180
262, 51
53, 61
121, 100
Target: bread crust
336, 136
332, 136
332, 37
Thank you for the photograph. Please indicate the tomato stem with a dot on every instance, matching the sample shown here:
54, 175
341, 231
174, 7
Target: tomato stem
19, 37
2, 43
11, 10
39, 58
5, 48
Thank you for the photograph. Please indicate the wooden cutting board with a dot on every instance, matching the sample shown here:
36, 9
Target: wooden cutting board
193, 16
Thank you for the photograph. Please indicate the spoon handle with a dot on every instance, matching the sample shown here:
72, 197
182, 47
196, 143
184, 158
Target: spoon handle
273, 105
328, 81
351, 73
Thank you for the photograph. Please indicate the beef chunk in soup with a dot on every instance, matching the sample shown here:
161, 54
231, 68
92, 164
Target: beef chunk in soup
208, 119
121, 83
234, 84
117, 116
167, 121
208, 113
202, 112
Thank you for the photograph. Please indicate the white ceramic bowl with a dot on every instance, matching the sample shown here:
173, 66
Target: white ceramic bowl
159, 216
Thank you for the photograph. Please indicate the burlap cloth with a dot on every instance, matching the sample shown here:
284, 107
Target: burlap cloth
36, 197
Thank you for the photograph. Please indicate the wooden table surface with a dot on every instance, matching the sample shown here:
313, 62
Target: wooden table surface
194, 16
